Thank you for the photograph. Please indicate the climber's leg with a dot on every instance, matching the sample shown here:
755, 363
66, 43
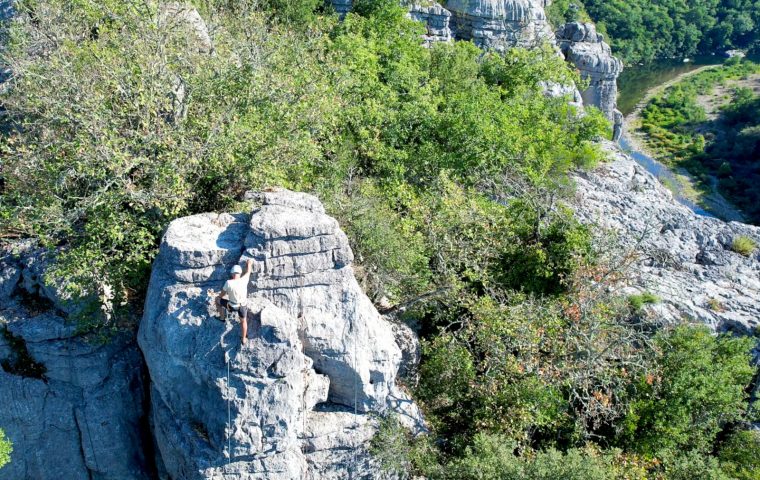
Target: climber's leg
243, 313
221, 308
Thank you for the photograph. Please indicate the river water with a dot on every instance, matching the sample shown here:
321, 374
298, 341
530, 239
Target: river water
637, 80
633, 85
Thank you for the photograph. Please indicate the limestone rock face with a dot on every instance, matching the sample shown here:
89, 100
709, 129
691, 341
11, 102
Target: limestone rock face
686, 259
72, 406
500, 24
436, 18
319, 358
586, 49
6, 13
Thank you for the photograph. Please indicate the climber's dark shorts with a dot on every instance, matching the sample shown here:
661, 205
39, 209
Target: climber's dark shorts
242, 311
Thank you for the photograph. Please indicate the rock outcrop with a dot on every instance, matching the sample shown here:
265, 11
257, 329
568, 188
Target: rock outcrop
496, 24
72, 405
6, 14
299, 401
500, 24
436, 19
586, 49
685, 259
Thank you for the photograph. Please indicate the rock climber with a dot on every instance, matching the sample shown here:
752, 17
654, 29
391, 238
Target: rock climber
236, 292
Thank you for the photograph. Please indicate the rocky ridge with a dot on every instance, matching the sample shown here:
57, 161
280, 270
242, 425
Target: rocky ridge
586, 49
72, 405
321, 363
684, 258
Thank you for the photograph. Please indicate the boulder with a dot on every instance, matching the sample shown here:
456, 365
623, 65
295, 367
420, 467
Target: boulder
301, 399
586, 49
684, 258
72, 405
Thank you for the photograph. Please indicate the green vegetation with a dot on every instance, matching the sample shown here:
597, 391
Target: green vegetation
448, 168
637, 302
740, 455
6, 448
744, 245
642, 30
680, 133
108, 148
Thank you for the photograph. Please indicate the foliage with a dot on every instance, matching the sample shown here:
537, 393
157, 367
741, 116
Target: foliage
740, 455
564, 11
493, 457
641, 30
698, 387
680, 134
637, 302
6, 448
744, 245
693, 465
398, 453
531, 369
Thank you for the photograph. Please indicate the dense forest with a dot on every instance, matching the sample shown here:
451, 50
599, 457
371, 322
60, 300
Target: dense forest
448, 168
642, 30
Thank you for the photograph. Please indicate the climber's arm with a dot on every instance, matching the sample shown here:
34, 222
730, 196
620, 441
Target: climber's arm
248, 266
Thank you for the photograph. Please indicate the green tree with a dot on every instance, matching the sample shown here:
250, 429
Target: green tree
698, 388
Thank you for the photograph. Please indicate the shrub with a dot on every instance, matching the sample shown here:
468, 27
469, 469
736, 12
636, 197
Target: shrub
638, 301
400, 454
740, 455
715, 305
694, 465
699, 386
6, 448
493, 457
744, 245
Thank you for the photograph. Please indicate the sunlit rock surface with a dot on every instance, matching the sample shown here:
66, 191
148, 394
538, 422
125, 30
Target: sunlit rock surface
685, 259
72, 404
320, 361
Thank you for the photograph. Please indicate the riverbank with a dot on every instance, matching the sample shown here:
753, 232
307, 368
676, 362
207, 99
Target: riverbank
701, 198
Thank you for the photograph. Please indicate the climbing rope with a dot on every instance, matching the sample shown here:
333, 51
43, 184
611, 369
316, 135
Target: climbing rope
75, 374
229, 411
356, 374
229, 392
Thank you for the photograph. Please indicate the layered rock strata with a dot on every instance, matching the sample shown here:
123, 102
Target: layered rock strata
500, 24
586, 49
299, 401
685, 259
72, 405
436, 19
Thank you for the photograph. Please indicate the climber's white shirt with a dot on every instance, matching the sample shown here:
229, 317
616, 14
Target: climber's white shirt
237, 290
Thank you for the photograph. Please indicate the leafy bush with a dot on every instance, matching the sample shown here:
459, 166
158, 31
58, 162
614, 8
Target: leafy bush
693, 465
744, 245
740, 455
698, 387
495, 458
6, 448
637, 302
114, 146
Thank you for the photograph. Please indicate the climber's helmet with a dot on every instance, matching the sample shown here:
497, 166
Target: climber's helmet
236, 269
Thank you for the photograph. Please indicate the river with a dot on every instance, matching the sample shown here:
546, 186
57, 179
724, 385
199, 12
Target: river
634, 84
637, 80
